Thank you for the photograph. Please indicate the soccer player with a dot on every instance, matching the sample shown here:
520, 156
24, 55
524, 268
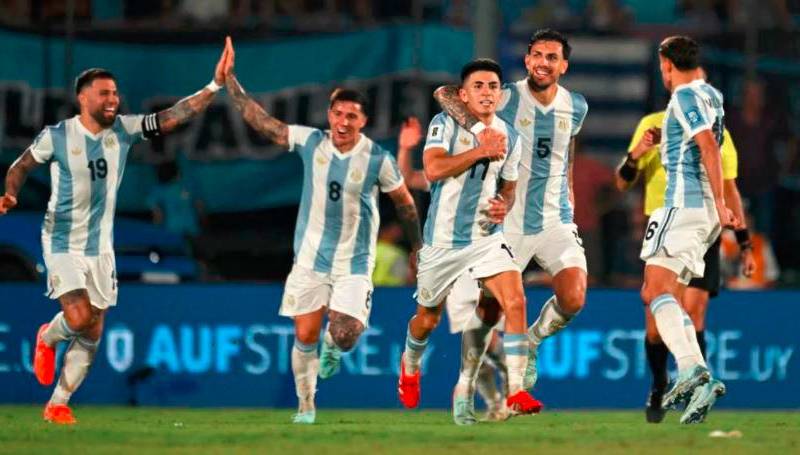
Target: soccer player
644, 159
336, 231
679, 233
494, 362
472, 188
86, 155
540, 226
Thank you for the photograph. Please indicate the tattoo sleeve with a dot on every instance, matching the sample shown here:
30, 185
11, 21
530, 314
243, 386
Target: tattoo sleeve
184, 110
255, 115
19, 171
409, 219
447, 97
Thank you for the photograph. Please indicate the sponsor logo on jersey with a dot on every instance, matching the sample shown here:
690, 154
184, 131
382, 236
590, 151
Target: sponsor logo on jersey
76, 151
464, 140
109, 141
524, 122
356, 176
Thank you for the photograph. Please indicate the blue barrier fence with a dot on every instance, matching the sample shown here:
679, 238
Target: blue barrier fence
225, 345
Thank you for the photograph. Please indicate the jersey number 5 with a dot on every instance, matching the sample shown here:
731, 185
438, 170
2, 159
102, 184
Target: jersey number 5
543, 146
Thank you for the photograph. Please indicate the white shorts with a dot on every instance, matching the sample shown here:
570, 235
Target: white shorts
438, 268
555, 248
97, 274
306, 291
677, 239
462, 301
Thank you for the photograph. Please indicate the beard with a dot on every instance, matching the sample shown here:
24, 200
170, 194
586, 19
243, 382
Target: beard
102, 120
535, 86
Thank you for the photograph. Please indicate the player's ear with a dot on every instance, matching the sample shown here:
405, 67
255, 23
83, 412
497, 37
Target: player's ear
462, 94
564, 66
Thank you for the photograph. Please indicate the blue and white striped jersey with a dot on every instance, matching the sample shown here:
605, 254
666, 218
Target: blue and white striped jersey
543, 188
85, 172
693, 107
337, 225
454, 215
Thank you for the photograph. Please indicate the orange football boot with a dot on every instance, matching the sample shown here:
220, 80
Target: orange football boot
44, 359
59, 413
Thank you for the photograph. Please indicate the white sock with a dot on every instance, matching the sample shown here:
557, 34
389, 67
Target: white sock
474, 341
516, 348
328, 338
58, 330
305, 366
77, 360
669, 321
412, 355
552, 318
691, 335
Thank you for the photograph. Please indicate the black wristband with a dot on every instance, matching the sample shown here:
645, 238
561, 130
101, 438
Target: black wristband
743, 238
628, 169
151, 127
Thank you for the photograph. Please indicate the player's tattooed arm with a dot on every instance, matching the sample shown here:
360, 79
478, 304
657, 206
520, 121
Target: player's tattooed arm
188, 108
15, 178
255, 115
407, 215
184, 110
345, 329
450, 102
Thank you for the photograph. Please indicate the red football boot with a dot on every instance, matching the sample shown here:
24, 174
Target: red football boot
408, 387
59, 413
523, 402
44, 359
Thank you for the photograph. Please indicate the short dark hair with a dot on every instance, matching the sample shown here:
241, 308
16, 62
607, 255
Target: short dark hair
481, 64
349, 94
548, 34
682, 51
88, 76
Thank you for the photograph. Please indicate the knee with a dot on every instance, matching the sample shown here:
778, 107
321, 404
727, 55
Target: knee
514, 304
572, 299
429, 320
649, 292
307, 335
79, 319
346, 337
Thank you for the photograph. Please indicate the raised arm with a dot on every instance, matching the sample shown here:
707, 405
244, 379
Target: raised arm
15, 177
439, 164
450, 102
253, 113
410, 135
186, 109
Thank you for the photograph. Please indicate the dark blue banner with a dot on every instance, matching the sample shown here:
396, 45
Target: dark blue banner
225, 345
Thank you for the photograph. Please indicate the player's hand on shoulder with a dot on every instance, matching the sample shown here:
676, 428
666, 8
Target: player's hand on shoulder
493, 143
7, 202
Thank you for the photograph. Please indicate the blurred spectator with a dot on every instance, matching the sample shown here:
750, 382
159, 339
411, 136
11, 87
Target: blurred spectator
17, 12
767, 270
203, 12
755, 130
607, 16
593, 184
391, 260
173, 205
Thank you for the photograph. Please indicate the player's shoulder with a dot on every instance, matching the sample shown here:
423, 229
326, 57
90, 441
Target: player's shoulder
577, 99
56, 128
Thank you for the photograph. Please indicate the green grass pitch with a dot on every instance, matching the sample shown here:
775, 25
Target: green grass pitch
147, 430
